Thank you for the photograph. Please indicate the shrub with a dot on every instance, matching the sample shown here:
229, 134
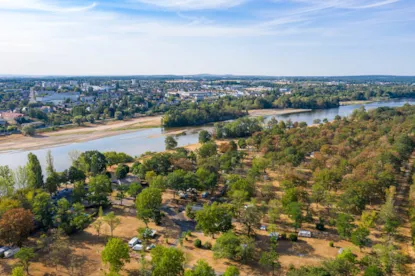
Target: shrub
198, 243
189, 212
331, 244
207, 245
320, 226
293, 237
283, 236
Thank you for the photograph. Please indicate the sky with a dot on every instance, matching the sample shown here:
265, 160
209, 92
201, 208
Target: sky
182, 37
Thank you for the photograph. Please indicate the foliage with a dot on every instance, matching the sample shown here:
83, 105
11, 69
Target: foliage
148, 205
99, 188
35, 176
167, 261
116, 254
214, 218
15, 226
170, 142
202, 268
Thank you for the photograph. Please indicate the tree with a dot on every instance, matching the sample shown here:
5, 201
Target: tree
50, 169
18, 271
35, 176
228, 245
112, 221
15, 226
134, 189
344, 225
204, 136
28, 130
52, 182
344, 264
122, 192
390, 258
168, 261
91, 162
202, 268
21, 177
43, 210
373, 271
122, 171
270, 258
77, 120
260, 164
214, 218
388, 214
360, 237
208, 180
6, 181
231, 271
7, 204
208, 149
99, 222
295, 214
79, 193
148, 204
116, 254
170, 142
250, 217
99, 188
242, 143
74, 174
25, 255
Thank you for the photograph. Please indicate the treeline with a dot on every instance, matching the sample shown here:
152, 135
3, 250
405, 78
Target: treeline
200, 114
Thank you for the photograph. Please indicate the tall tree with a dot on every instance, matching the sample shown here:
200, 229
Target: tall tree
25, 255
6, 181
148, 204
50, 168
116, 254
168, 261
170, 142
43, 210
214, 218
112, 221
15, 226
202, 268
35, 176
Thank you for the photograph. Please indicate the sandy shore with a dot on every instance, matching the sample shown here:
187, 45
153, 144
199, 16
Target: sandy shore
270, 112
76, 135
355, 102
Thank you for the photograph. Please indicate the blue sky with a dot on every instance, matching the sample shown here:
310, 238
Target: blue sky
247, 37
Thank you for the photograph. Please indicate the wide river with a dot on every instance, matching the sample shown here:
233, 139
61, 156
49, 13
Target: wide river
136, 143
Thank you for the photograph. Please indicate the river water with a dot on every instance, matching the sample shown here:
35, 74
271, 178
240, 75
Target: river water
141, 141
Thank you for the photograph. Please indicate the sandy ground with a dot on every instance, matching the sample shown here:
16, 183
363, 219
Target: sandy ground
355, 102
270, 112
76, 135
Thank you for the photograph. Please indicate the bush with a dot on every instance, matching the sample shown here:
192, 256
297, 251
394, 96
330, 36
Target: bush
122, 171
331, 244
293, 237
283, 236
197, 243
207, 245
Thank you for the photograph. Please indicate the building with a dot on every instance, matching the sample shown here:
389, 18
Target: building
56, 98
9, 116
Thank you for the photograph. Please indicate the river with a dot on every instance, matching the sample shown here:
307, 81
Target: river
139, 142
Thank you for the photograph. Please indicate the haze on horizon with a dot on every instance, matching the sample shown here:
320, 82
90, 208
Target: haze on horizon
184, 37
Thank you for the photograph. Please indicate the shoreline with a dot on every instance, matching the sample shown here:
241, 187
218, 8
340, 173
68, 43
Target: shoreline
90, 132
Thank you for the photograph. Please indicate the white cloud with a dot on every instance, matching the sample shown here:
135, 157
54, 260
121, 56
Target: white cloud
347, 4
40, 5
193, 4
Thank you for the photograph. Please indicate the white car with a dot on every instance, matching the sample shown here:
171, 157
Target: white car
3, 249
138, 247
10, 253
133, 242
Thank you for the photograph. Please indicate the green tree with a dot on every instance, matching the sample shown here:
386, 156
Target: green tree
112, 221
122, 171
167, 261
242, 143
208, 149
91, 162
99, 188
28, 130
148, 204
250, 217
204, 136
208, 180
43, 210
270, 258
7, 181
344, 225
202, 268
170, 142
295, 214
122, 192
214, 218
360, 237
116, 254
231, 271
344, 264
35, 176
134, 189
25, 255
230, 246
53, 181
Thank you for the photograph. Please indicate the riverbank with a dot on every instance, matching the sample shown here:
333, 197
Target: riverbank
91, 132
76, 135
356, 102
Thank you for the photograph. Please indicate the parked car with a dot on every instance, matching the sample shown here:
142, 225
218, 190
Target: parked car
10, 253
263, 228
138, 247
205, 194
149, 233
133, 242
3, 249
183, 196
